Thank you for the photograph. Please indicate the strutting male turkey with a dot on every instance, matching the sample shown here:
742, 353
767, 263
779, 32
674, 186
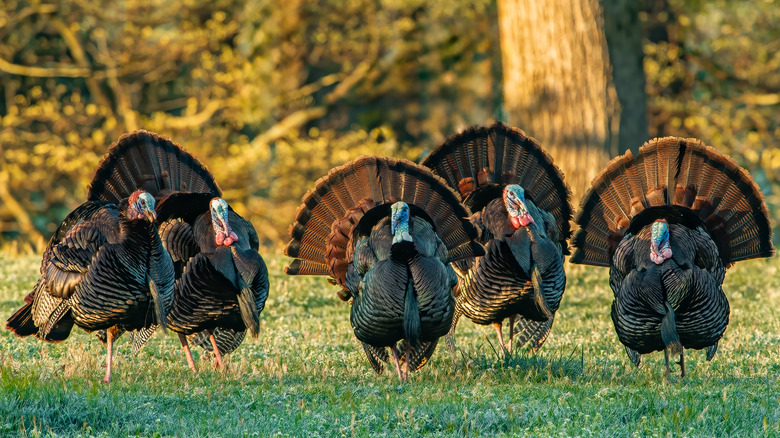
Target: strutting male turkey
386, 231
221, 280
521, 205
104, 269
667, 223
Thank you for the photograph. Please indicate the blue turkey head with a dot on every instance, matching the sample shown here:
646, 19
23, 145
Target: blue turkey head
659, 242
223, 234
514, 200
399, 222
140, 205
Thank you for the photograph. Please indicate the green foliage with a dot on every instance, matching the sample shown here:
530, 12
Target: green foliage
713, 72
306, 375
272, 94
269, 94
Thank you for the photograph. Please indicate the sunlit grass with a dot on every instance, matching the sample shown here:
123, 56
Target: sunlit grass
306, 375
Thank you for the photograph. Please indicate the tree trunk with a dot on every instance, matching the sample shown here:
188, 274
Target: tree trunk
556, 82
624, 43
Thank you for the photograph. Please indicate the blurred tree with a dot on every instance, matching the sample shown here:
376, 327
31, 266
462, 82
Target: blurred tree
557, 79
713, 72
623, 32
270, 95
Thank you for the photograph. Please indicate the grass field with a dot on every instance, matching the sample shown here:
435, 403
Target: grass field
306, 375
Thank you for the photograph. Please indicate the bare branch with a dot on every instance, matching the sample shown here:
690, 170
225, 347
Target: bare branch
194, 120
288, 124
122, 98
13, 206
74, 46
43, 72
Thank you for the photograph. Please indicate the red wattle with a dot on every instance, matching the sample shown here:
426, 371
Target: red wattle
521, 221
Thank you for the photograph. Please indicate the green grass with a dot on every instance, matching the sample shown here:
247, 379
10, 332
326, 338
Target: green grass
306, 375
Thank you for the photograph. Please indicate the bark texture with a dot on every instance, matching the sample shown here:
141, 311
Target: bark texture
557, 82
624, 43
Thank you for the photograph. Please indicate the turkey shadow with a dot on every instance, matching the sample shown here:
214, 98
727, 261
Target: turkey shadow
533, 366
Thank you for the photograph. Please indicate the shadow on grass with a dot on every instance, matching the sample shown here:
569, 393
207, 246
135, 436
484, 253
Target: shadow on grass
533, 366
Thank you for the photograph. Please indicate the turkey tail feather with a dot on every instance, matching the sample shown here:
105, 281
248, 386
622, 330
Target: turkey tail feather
531, 332
139, 338
352, 196
145, 160
21, 322
59, 313
711, 350
377, 357
671, 178
499, 154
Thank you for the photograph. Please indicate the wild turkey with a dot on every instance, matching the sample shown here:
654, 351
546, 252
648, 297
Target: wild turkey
522, 207
386, 230
668, 223
221, 280
104, 269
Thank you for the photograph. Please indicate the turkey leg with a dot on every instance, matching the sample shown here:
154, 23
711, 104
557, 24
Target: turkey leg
217, 355
397, 359
109, 354
666, 362
186, 346
497, 326
512, 320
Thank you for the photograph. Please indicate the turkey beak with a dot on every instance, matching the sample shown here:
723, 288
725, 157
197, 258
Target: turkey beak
151, 215
225, 225
395, 217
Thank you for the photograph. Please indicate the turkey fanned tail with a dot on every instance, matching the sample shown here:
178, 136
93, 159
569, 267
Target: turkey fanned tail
683, 181
148, 161
532, 333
